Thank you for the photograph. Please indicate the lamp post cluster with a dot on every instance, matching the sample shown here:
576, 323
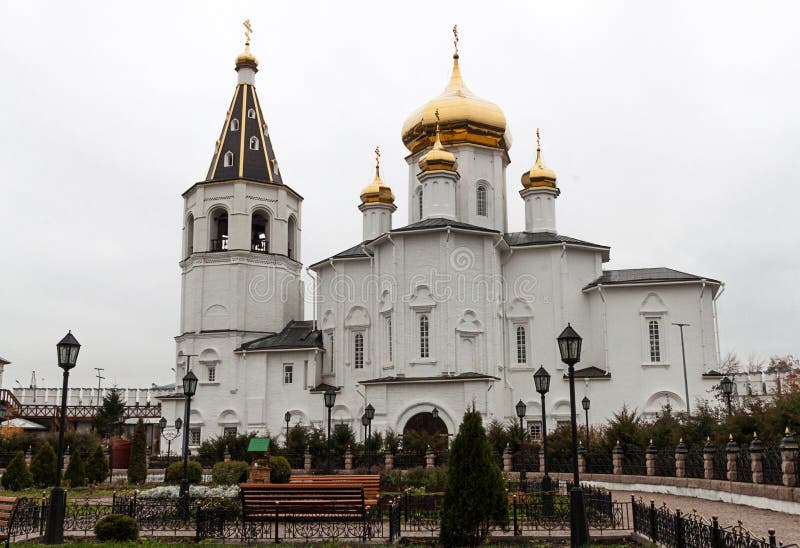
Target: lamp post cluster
189, 390
330, 401
727, 389
541, 379
162, 424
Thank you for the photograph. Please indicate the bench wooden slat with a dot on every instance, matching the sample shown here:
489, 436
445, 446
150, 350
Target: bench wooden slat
302, 501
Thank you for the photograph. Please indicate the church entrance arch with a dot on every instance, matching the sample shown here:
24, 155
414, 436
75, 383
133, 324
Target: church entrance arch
423, 430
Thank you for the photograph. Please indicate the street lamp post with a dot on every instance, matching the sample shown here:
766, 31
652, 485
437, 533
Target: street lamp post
369, 412
727, 388
189, 390
569, 345
542, 381
68, 350
169, 437
330, 400
585, 402
287, 417
521, 410
364, 423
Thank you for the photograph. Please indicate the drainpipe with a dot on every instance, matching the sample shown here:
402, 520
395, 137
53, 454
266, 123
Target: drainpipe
716, 322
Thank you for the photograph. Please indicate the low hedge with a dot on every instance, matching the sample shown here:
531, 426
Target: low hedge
116, 527
229, 473
194, 472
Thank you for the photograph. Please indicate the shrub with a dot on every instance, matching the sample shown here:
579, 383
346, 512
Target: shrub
212, 451
43, 466
97, 466
17, 475
76, 471
279, 470
474, 497
137, 469
116, 527
229, 473
194, 471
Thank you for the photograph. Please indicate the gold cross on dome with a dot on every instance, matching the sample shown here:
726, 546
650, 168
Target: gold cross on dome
377, 159
248, 29
538, 143
455, 38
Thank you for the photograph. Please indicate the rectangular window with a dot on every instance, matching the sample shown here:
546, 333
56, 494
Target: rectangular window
522, 346
424, 333
288, 370
563, 423
212, 373
229, 431
194, 436
654, 336
358, 350
535, 429
389, 349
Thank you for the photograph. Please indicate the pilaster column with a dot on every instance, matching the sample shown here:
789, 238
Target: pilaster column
430, 457
307, 460
348, 459
680, 459
789, 449
731, 452
757, 459
708, 459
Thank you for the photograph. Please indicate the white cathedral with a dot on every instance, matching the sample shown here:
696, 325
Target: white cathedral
449, 311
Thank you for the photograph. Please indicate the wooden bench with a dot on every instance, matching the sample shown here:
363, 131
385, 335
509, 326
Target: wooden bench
371, 483
302, 503
8, 507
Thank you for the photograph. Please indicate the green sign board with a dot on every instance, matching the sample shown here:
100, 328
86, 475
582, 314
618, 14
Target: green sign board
258, 445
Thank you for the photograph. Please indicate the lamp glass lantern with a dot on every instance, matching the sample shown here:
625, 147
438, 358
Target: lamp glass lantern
369, 412
542, 381
287, 417
521, 408
178, 423
189, 384
330, 398
569, 345
162, 424
364, 420
435, 413
727, 385
68, 349
585, 402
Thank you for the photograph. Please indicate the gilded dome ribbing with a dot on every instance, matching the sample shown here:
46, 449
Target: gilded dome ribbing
539, 175
377, 192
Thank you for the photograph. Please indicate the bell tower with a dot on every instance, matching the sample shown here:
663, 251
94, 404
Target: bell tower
240, 258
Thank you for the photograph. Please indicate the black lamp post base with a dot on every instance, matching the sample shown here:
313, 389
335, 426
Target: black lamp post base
578, 527
54, 533
184, 498
547, 496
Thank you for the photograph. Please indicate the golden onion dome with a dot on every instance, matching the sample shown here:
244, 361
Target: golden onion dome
465, 118
246, 59
377, 192
539, 175
438, 158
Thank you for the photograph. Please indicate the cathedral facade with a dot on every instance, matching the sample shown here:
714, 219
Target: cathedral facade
448, 311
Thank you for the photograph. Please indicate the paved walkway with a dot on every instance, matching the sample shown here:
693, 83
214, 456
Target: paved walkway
757, 521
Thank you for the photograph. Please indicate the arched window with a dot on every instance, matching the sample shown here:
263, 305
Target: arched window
290, 240
259, 232
522, 345
219, 230
253, 143
227, 160
419, 205
480, 201
654, 334
358, 351
251, 113
189, 235
234, 124
424, 334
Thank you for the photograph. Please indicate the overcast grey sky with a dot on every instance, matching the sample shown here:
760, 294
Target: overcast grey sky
674, 128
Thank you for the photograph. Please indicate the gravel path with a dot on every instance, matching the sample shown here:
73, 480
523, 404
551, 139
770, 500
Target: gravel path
757, 521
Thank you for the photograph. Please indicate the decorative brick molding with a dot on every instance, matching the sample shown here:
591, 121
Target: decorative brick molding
708, 460
789, 450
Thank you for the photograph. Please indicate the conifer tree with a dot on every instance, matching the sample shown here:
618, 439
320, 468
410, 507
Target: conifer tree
109, 415
17, 475
97, 466
137, 468
76, 471
43, 466
475, 497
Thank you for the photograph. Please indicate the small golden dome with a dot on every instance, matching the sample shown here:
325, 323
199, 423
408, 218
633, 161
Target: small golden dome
438, 158
539, 175
465, 118
377, 192
246, 58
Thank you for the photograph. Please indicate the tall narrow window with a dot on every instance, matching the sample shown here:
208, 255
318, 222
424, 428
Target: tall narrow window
253, 143
654, 335
358, 351
194, 436
227, 160
234, 124
424, 333
420, 203
212, 373
389, 342
288, 373
522, 345
480, 200
251, 113
190, 235
259, 232
290, 250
